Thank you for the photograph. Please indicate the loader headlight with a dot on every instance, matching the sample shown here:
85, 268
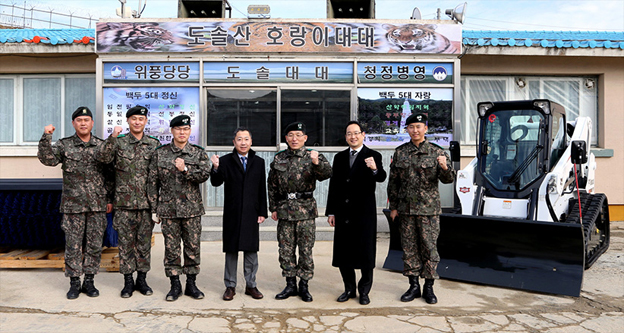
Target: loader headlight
483, 107
542, 104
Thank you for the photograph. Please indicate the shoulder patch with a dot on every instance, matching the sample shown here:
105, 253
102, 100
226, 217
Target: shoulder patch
279, 152
153, 137
120, 136
435, 145
198, 146
161, 146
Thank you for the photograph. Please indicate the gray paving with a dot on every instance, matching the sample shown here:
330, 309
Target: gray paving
33, 300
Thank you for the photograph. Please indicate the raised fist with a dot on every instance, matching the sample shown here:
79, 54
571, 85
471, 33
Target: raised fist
215, 161
314, 156
49, 129
116, 131
442, 162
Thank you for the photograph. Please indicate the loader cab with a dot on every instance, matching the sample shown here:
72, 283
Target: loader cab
518, 145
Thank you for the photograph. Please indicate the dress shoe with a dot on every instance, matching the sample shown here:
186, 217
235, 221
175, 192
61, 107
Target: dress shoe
229, 293
364, 300
346, 295
254, 293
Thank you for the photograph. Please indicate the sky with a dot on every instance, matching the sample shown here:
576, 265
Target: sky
538, 15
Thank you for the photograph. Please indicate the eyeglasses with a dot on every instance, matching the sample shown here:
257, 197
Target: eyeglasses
182, 129
349, 134
292, 135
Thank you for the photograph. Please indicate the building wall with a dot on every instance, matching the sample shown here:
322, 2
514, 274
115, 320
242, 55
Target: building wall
610, 71
48, 63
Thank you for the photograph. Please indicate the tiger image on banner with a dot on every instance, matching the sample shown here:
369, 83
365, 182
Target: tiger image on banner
219, 36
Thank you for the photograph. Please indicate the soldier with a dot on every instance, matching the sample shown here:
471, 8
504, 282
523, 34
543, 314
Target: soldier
175, 172
87, 197
291, 183
414, 197
130, 154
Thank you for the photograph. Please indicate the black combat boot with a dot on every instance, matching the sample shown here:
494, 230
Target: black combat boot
428, 294
413, 291
88, 287
74, 287
303, 291
191, 288
141, 284
176, 288
290, 290
128, 288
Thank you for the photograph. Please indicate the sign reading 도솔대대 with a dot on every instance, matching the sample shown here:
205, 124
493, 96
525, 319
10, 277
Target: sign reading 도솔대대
163, 103
381, 37
282, 72
151, 72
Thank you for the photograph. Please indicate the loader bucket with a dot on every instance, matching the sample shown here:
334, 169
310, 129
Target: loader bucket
537, 256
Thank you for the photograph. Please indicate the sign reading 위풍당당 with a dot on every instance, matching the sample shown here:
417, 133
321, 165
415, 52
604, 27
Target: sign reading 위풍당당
400, 36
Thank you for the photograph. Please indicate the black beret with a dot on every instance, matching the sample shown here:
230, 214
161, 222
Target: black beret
137, 110
181, 120
296, 126
82, 111
416, 118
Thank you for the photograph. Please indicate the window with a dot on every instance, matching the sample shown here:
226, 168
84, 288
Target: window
49, 99
570, 92
324, 112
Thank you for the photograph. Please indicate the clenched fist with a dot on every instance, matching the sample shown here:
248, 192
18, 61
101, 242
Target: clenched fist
49, 129
179, 163
116, 131
215, 161
314, 156
370, 163
442, 162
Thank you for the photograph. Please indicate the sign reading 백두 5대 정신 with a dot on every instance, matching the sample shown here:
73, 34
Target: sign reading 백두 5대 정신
163, 103
399, 36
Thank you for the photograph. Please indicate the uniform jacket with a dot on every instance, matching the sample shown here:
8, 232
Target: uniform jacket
130, 158
245, 200
292, 171
171, 192
414, 175
351, 199
87, 183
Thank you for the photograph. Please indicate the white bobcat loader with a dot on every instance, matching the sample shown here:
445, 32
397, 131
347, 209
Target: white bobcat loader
528, 217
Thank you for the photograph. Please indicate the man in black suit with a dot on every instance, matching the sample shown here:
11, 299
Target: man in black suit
352, 210
245, 207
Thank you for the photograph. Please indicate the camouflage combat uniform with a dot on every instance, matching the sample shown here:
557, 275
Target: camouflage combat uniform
175, 196
133, 220
87, 189
292, 171
413, 192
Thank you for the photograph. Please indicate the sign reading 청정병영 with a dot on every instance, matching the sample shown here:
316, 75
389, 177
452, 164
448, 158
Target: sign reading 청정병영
398, 36
151, 72
395, 72
291, 72
163, 103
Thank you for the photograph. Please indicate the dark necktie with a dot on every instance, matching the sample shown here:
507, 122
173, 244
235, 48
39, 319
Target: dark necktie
244, 160
352, 157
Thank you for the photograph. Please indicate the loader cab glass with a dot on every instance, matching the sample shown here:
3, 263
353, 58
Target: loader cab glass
511, 148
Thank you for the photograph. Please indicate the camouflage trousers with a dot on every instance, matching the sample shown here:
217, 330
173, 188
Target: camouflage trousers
84, 235
134, 229
187, 231
293, 234
419, 237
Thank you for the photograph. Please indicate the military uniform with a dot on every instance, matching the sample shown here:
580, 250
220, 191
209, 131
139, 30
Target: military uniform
87, 189
292, 180
132, 221
175, 196
413, 192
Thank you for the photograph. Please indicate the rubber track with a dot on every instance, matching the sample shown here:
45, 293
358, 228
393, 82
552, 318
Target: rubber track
593, 205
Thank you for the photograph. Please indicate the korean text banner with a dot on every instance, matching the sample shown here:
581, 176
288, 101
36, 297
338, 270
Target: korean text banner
151, 72
163, 103
288, 72
384, 111
399, 36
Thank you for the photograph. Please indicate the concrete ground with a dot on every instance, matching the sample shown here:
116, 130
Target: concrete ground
33, 300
